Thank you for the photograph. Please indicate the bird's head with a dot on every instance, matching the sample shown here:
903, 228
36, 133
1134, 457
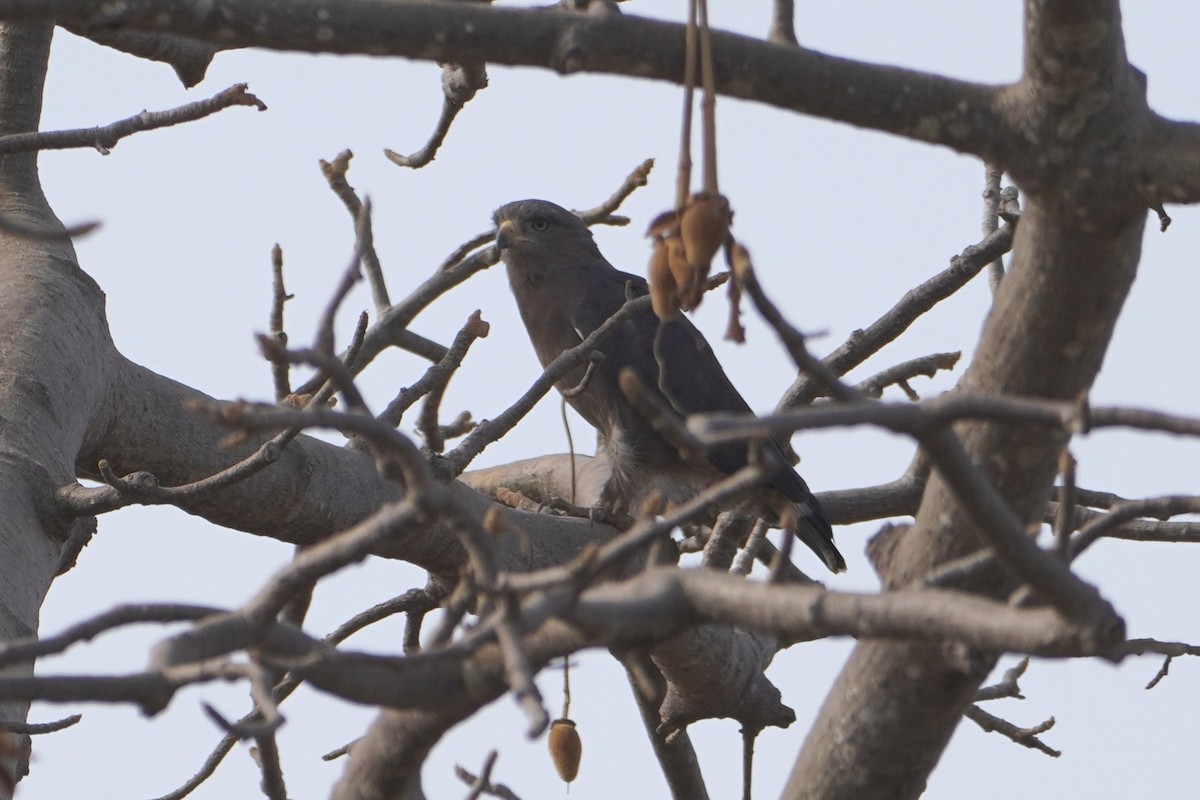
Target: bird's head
536, 235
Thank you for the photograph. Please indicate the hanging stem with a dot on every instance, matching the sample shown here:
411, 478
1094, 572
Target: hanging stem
708, 106
566, 687
683, 181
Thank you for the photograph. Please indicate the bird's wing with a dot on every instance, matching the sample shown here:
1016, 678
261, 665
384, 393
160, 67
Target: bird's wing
674, 360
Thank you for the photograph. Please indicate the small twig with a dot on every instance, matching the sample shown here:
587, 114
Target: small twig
519, 671
21, 650
455, 608
603, 213
1096, 499
143, 487
745, 560
581, 387
792, 339
335, 173
1172, 650
53, 233
927, 366
350, 276
958, 569
991, 220
1026, 737
357, 337
1007, 686
458, 427
414, 601
460, 82
783, 29
748, 737
1164, 220
1106, 525
214, 759
778, 569
280, 369
870, 340
333, 374
39, 728
725, 538
1065, 519
435, 382
106, 137
440, 373
338, 752
1162, 673
266, 755
1010, 205
482, 784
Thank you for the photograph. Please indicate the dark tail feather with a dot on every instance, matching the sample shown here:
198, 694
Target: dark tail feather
814, 530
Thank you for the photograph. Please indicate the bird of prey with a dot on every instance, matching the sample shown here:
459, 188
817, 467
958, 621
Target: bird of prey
565, 289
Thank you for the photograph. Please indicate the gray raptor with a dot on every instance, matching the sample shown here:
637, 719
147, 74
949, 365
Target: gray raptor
565, 289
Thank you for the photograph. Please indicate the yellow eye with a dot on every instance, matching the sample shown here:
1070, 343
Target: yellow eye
539, 223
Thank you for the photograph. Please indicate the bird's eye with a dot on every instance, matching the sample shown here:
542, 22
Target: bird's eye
539, 223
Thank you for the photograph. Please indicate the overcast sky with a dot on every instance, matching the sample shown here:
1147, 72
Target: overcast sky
840, 222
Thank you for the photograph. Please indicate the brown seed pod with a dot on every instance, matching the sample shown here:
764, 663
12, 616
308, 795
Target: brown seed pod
565, 748
664, 294
662, 225
683, 272
704, 227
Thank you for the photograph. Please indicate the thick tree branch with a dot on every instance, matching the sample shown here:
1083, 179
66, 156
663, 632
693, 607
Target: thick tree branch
928, 108
1046, 337
188, 57
311, 492
653, 606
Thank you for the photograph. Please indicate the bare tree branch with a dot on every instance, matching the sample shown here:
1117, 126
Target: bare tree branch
967, 117
866, 342
105, 138
335, 173
1026, 737
39, 728
460, 82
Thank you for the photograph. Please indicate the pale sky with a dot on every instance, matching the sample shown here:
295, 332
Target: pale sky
840, 222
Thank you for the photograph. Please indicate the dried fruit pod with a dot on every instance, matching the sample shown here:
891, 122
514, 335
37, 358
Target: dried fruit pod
664, 295
664, 291
704, 228
683, 272
565, 748
662, 225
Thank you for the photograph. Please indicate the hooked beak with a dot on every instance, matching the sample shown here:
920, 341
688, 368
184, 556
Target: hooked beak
506, 235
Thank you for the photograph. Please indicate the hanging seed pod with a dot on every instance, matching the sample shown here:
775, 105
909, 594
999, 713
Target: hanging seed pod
681, 271
664, 295
704, 228
565, 748
664, 289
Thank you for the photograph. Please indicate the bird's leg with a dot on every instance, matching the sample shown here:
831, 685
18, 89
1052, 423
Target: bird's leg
610, 509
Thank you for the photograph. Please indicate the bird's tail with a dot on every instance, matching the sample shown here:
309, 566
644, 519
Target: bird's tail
812, 528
